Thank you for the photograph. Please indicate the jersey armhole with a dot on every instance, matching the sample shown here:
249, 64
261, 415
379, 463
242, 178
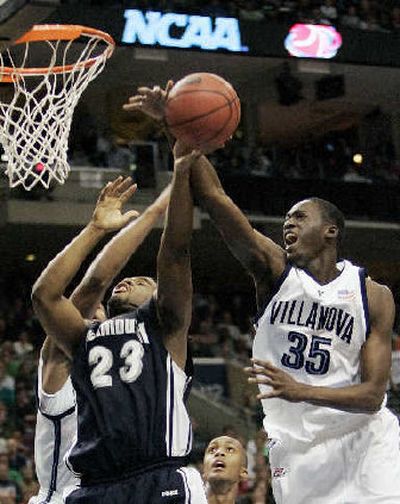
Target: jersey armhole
364, 298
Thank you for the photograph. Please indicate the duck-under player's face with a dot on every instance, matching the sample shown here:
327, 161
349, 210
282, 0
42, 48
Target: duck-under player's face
224, 459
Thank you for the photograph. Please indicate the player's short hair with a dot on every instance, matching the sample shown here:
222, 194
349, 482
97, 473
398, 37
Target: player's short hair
331, 213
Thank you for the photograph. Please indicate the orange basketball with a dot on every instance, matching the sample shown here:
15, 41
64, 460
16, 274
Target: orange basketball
202, 110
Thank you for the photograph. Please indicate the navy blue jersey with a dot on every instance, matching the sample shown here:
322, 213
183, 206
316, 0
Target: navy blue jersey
131, 398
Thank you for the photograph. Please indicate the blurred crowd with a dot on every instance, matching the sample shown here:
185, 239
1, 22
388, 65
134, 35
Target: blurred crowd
359, 14
335, 156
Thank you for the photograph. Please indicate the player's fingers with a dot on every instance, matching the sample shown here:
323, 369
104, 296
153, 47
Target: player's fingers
249, 370
123, 185
113, 187
103, 192
168, 87
135, 97
129, 216
144, 90
261, 380
128, 193
263, 363
134, 104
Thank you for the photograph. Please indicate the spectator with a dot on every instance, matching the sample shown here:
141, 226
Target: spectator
23, 346
7, 386
9, 490
329, 11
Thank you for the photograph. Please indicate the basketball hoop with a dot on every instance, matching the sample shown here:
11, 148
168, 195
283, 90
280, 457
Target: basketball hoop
35, 123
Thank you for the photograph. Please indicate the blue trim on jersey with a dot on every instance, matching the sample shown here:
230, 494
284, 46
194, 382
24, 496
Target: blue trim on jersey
56, 418
363, 274
189, 494
190, 436
56, 457
275, 288
171, 405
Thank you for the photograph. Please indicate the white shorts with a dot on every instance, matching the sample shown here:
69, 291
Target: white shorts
362, 467
43, 496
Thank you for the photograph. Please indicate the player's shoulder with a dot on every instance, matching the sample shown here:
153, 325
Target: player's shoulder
377, 289
380, 297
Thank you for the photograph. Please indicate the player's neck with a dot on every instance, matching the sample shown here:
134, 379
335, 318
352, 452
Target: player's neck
323, 268
222, 492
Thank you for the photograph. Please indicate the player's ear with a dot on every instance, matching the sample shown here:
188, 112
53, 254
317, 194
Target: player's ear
332, 231
244, 474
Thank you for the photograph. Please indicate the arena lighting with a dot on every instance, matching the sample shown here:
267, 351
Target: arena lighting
182, 31
357, 158
313, 41
30, 257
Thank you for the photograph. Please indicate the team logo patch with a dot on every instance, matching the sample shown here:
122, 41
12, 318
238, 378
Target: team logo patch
169, 493
346, 294
279, 472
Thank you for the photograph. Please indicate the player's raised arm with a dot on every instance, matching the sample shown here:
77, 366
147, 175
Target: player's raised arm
174, 275
114, 256
58, 315
264, 259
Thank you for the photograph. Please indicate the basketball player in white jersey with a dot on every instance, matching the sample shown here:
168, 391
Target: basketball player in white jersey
322, 349
56, 423
224, 467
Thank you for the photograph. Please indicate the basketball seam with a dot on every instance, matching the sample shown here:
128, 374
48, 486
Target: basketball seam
218, 132
187, 121
215, 135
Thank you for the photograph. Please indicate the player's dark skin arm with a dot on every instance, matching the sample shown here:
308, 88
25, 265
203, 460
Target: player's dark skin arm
114, 256
366, 397
59, 317
174, 275
262, 258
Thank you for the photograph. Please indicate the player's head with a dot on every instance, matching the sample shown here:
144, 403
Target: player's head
129, 294
225, 462
311, 226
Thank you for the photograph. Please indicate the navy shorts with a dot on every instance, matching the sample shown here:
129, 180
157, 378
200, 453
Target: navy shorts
164, 485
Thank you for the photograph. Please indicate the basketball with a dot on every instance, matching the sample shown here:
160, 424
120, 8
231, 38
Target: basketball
202, 109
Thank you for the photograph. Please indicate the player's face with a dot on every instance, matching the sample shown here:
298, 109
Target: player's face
224, 459
304, 232
134, 291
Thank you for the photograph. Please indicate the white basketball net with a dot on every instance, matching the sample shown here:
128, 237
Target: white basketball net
35, 124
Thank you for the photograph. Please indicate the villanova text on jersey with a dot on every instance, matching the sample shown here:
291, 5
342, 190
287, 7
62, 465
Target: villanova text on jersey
131, 399
314, 316
315, 333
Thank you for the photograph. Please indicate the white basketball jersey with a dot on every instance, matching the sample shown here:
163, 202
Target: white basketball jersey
315, 333
56, 427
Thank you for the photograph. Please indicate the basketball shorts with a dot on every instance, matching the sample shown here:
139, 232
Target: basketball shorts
164, 485
48, 498
360, 467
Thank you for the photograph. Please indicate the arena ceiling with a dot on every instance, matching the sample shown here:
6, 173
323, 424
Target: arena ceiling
254, 78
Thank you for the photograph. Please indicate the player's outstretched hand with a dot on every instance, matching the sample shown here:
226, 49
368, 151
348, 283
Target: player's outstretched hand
150, 101
108, 214
281, 383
